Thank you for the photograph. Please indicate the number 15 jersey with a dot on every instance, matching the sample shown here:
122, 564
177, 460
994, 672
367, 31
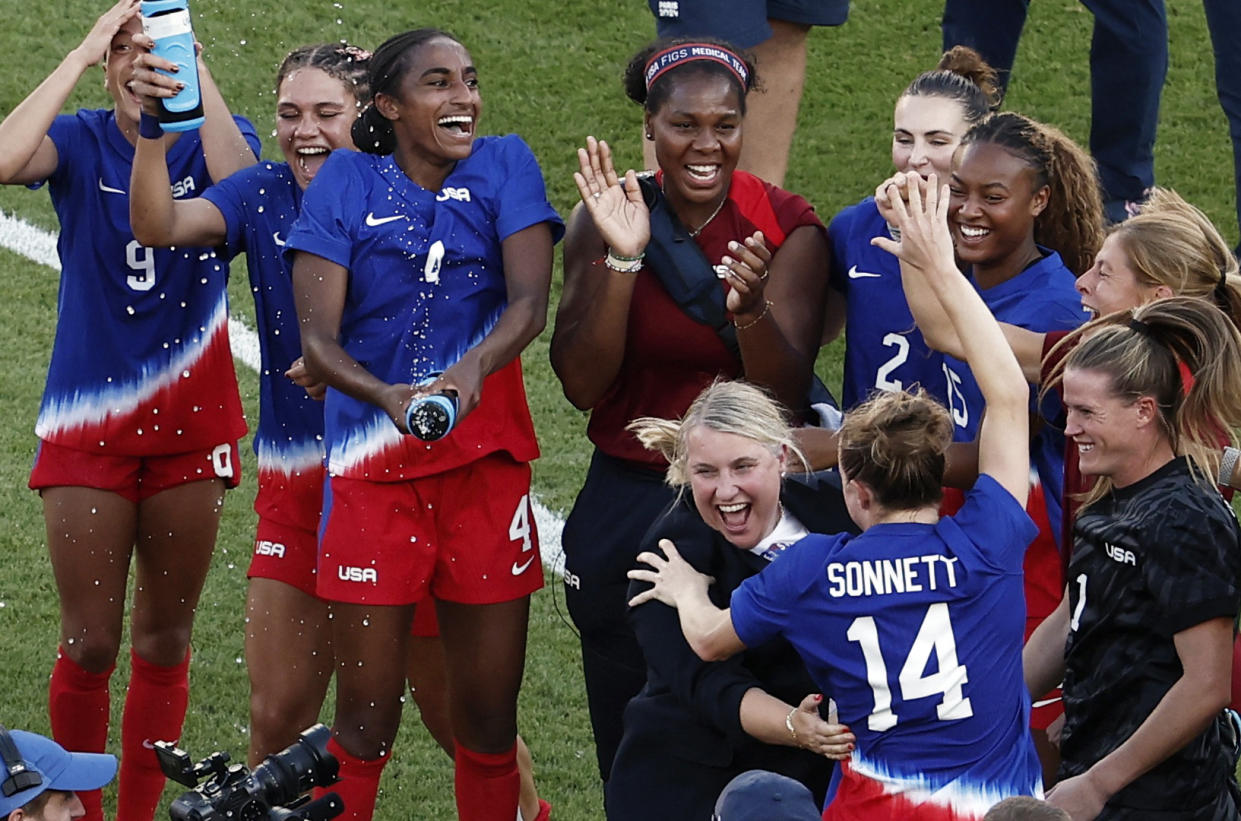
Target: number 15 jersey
916, 631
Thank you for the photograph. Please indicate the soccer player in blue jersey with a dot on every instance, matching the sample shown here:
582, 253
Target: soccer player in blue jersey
319, 91
423, 266
884, 350
911, 627
140, 416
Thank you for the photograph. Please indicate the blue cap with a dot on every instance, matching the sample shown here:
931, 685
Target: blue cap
759, 795
56, 768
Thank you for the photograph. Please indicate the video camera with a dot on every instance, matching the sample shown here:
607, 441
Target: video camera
273, 791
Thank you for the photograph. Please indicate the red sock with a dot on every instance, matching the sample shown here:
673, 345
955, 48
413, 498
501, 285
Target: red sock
154, 711
358, 784
488, 784
78, 704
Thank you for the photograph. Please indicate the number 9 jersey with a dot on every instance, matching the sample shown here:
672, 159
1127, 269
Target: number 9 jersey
141, 363
916, 631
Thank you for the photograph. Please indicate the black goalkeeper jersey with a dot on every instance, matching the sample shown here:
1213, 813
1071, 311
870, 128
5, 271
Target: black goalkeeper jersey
1149, 560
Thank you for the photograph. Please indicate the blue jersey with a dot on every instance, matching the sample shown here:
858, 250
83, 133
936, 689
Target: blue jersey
1041, 298
141, 363
916, 631
884, 350
260, 205
426, 284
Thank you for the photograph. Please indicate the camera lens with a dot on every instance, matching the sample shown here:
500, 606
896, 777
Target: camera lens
282, 777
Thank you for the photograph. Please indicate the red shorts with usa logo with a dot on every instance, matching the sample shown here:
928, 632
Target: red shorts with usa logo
286, 544
136, 478
466, 535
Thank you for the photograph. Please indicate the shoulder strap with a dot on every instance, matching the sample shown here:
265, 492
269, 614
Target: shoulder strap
683, 269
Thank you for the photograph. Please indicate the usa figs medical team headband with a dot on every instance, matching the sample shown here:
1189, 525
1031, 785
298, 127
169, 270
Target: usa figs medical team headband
691, 52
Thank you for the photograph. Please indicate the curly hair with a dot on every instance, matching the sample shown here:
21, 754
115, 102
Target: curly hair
1072, 222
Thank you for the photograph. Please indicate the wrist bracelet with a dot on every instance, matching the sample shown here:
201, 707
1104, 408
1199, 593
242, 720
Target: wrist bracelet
1227, 465
755, 320
149, 127
623, 258
623, 265
788, 722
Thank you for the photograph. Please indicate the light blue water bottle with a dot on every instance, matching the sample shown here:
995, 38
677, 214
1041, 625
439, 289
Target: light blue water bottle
167, 22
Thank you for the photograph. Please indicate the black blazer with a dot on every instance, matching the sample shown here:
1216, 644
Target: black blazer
682, 738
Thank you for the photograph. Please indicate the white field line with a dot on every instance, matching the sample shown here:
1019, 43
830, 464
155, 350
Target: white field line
38, 245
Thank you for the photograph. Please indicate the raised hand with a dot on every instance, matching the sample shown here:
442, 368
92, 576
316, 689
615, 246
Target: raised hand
619, 212
925, 241
94, 47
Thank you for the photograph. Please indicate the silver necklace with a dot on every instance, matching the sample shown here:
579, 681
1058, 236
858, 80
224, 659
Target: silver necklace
696, 231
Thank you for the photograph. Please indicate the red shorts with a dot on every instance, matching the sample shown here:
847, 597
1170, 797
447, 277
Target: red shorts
466, 535
286, 544
133, 477
285, 554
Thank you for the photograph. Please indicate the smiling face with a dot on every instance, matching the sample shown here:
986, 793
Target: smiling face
434, 110
314, 112
735, 483
117, 68
697, 133
1111, 284
1113, 434
926, 132
994, 203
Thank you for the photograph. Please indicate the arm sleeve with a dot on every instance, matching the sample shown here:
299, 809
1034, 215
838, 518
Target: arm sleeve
760, 605
998, 527
1197, 579
711, 691
523, 197
324, 227
66, 134
230, 195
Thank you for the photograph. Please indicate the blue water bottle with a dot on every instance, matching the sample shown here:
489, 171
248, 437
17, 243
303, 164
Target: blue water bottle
167, 22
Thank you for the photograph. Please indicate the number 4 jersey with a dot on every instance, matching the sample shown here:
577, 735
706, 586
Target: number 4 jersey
916, 631
141, 363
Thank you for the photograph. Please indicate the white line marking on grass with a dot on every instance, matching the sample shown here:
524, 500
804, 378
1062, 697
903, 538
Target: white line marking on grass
38, 245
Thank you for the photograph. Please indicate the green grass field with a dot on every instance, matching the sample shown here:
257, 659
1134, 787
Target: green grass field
550, 72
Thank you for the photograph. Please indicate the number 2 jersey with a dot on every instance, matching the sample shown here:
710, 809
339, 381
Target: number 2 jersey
916, 631
141, 363
883, 347
1149, 560
426, 284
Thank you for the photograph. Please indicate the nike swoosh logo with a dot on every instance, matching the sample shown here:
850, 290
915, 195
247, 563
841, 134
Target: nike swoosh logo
107, 189
1045, 702
374, 221
854, 273
518, 569
146, 742
276, 238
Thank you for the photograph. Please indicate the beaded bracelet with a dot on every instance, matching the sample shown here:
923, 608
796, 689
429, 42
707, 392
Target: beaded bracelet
149, 127
1227, 465
755, 320
623, 264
